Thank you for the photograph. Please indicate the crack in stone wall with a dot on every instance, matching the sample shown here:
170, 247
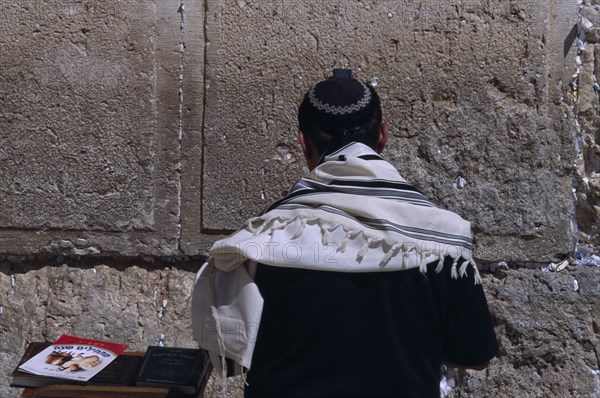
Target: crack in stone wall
180, 128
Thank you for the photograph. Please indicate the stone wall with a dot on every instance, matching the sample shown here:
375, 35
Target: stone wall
134, 134
585, 85
549, 332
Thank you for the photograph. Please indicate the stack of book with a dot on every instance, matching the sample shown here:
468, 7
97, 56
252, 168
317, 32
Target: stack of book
51, 369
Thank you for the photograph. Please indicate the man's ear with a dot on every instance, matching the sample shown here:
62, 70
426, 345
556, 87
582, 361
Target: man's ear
311, 154
303, 143
382, 138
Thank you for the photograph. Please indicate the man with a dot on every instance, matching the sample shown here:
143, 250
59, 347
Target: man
354, 284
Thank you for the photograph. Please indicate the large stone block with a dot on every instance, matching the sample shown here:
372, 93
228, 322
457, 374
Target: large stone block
93, 126
472, 92
587, 106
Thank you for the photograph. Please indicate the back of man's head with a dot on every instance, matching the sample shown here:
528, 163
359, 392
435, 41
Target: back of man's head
340, 110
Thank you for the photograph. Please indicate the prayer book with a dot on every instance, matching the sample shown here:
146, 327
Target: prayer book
120, 372
73, 358
185, 370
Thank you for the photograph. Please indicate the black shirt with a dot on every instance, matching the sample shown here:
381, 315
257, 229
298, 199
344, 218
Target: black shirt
383, 334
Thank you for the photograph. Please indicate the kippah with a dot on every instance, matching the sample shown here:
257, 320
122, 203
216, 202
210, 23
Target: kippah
341, 106
340, 110
340, 95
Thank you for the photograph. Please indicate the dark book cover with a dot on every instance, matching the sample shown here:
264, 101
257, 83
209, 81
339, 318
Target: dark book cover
120, 372
185, 370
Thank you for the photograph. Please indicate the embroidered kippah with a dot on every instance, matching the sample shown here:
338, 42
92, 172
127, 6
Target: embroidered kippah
341, 107
340, 95
339, 110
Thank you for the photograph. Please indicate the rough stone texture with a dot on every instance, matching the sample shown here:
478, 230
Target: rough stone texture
143, 129
102, 149
91, 120
587, 107
192, 240
60, 76
466, 87
115, 301
549, 334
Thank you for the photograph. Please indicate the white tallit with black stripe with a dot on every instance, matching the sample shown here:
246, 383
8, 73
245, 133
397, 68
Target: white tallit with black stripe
352, 213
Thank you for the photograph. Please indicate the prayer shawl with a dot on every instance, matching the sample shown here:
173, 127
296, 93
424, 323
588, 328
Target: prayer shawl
353, 213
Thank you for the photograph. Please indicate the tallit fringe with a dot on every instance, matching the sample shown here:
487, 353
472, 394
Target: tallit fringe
392, 252
363, 250
453, 271
223, 381
350, 235
222, 349
463, 268
476, 271
423, 261
407, 250
326, 235
300, 229
440, 265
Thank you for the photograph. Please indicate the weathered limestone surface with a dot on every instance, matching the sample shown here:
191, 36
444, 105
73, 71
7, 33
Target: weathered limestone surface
91, 120
587, 107
103, 149
130, 304
549, 333
143, 130
467, 87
